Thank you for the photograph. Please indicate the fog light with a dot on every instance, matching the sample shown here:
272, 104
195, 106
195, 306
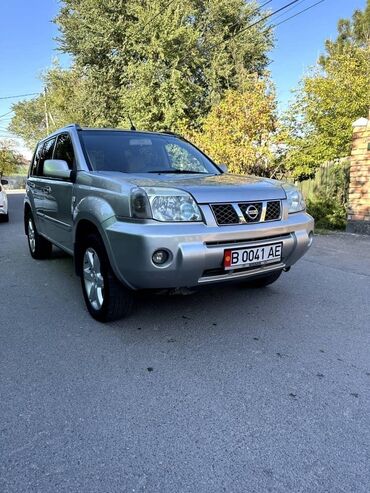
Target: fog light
310, 238
160, 257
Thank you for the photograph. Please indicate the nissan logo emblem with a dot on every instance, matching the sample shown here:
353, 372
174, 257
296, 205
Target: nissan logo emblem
252, 212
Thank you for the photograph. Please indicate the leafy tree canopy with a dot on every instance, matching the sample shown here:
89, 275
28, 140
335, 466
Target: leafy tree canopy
240, 130
9, 158
63, 102
163, 63
330, 98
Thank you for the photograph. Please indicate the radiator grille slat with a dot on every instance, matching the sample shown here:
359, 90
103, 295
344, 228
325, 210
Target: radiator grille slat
225, 214
273, 210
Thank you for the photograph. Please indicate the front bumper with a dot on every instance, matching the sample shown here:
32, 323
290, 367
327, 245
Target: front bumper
197, 250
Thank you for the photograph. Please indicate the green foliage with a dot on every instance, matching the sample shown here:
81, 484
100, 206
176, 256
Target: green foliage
240, 129
330, 98
10, 160
327, 195
164, 64
328, 212
64, 102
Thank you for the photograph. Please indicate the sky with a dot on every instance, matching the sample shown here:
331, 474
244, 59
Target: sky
28, 46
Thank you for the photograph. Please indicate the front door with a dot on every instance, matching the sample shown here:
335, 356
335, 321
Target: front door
58, 197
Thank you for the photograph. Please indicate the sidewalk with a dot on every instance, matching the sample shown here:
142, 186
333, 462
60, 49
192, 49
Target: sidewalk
16, 190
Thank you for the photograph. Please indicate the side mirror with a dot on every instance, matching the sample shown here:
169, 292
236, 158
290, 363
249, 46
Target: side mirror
223, 168
56, 168
4, 182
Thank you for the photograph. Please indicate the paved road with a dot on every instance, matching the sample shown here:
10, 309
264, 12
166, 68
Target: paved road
249, 391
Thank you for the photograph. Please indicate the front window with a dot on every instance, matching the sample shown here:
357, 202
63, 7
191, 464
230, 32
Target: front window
64, 150
136, 152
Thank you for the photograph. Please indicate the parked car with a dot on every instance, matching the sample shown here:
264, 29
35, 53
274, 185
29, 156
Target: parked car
4, 213
141, 210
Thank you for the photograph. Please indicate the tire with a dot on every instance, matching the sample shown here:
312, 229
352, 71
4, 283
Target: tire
4, 218
105, 297
40, 247
265, 280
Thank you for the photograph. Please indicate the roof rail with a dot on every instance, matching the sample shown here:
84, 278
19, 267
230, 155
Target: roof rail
171, 133
75, 125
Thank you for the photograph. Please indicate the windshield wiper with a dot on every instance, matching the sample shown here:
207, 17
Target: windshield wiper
178, 171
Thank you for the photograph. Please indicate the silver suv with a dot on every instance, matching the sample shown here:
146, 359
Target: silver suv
142, 210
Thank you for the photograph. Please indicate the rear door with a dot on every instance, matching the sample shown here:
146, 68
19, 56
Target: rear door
35, 183
58, 193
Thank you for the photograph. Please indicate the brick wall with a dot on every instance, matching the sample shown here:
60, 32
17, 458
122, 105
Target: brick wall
359, 191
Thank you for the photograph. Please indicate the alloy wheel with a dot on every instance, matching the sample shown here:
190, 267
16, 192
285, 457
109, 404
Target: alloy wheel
31, 235
93, 278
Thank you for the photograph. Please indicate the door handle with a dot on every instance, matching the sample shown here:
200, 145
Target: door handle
47, 189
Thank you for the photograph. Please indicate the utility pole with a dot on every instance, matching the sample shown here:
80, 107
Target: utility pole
46, 112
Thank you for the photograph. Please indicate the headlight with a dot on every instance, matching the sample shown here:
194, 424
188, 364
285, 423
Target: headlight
295, 198
164, 204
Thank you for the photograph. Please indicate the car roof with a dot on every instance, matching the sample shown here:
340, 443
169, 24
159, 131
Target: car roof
78, 128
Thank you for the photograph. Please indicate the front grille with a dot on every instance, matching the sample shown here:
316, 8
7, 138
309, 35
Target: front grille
225, 214
250, 209
273, 210
253, 212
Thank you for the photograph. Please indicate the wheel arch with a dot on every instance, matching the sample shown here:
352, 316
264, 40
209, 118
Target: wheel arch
83, 228
27, 211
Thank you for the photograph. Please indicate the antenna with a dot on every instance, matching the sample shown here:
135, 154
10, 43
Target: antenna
131, 123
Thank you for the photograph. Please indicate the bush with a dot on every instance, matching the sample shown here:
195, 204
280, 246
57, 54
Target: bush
327, 195
329, 212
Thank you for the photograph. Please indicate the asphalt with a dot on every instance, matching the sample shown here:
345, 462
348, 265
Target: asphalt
231, 389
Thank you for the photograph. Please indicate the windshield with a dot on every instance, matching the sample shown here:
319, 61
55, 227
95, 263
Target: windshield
135, 152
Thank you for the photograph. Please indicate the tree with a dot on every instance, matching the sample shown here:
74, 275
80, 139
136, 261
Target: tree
9, 158
63, 102
241, 129
163, 63
330, 98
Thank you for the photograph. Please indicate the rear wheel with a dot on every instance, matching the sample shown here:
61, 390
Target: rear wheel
40, 247
265, 280
4, 218
105, 297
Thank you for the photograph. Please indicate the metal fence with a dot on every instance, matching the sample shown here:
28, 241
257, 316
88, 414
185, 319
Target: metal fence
330, 178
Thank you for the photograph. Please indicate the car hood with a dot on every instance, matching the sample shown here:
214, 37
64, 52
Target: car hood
209, 188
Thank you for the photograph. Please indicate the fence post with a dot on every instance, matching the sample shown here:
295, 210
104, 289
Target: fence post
359, 188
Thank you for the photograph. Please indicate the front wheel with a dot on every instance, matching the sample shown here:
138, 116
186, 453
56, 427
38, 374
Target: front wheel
105, 297
4, 218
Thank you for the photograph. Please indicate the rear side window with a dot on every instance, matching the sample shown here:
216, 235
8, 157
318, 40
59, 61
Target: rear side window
64, 150
47, 153
43, 151
36, 159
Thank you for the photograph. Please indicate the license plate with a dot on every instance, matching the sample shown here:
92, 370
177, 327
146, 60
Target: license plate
247, 257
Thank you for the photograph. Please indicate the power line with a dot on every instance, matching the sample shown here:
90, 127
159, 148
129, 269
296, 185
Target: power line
264, 5
215, 45
284, 7
20, 95
253, 13
150, 20
298, 13
8, 113
290, 9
